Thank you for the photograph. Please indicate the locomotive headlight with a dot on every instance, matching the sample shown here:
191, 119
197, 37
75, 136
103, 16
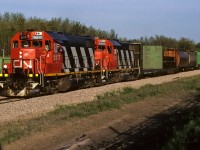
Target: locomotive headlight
5, 66
20, 52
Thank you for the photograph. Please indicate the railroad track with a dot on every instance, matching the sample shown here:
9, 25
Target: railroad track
4, 100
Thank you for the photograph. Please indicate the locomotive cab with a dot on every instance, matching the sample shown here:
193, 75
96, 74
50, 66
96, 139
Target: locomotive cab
106, 56
35, 51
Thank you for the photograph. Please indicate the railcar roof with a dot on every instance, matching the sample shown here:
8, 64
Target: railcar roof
115, 43
63, 38
125, 45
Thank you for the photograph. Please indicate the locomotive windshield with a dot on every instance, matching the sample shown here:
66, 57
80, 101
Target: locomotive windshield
101, 47
37, 43
26, 43
29, 43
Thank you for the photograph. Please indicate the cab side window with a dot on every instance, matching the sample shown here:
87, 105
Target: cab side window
109, 49
47, 45
57, 48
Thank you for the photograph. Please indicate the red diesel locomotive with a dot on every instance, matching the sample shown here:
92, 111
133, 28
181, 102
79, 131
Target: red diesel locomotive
46, 62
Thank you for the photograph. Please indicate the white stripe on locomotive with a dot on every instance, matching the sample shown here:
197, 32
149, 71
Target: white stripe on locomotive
91, 56
76, 60
128, 59
119, 62
67, 62
123, 59
85, 62
132, 58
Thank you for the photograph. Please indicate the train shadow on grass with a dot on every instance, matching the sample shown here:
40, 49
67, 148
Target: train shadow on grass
157, 130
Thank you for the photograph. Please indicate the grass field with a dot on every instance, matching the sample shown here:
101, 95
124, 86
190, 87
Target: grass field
111, 100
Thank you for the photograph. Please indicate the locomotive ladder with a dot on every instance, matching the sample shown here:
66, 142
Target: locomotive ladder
104, 72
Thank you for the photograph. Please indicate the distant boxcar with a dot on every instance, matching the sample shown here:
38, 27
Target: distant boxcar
192, 60
198, 58
152, 59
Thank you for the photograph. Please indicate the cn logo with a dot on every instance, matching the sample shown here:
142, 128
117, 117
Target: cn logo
21, 63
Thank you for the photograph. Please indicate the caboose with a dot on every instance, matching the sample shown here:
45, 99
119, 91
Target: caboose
44, 62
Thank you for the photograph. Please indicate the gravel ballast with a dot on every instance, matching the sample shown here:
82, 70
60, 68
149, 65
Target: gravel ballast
39, 105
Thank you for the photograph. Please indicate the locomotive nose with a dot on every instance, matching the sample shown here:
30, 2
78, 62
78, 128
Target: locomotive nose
28, 56
27, 53
25, 59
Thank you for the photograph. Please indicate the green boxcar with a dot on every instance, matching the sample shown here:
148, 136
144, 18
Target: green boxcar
6, 60
1, 64
198, 58
152, 57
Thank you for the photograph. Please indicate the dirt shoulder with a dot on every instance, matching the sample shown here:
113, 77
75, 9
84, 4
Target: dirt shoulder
122, 128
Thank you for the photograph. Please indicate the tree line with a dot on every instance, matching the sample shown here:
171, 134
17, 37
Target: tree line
168, 42
10, 23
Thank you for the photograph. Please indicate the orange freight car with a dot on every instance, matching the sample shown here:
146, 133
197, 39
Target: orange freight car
174, 58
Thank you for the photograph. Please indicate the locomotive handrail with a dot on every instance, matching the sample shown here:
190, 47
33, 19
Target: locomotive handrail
37, 64
41, 74
41, 63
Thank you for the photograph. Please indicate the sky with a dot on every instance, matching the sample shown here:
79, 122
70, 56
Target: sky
129, 18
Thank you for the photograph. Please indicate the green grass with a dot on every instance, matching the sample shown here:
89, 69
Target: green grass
189, 134
111, 100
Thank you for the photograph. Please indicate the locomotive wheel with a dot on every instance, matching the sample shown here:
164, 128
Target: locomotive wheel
116, 77
90, 83
49, 90
136, 75
63, 84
